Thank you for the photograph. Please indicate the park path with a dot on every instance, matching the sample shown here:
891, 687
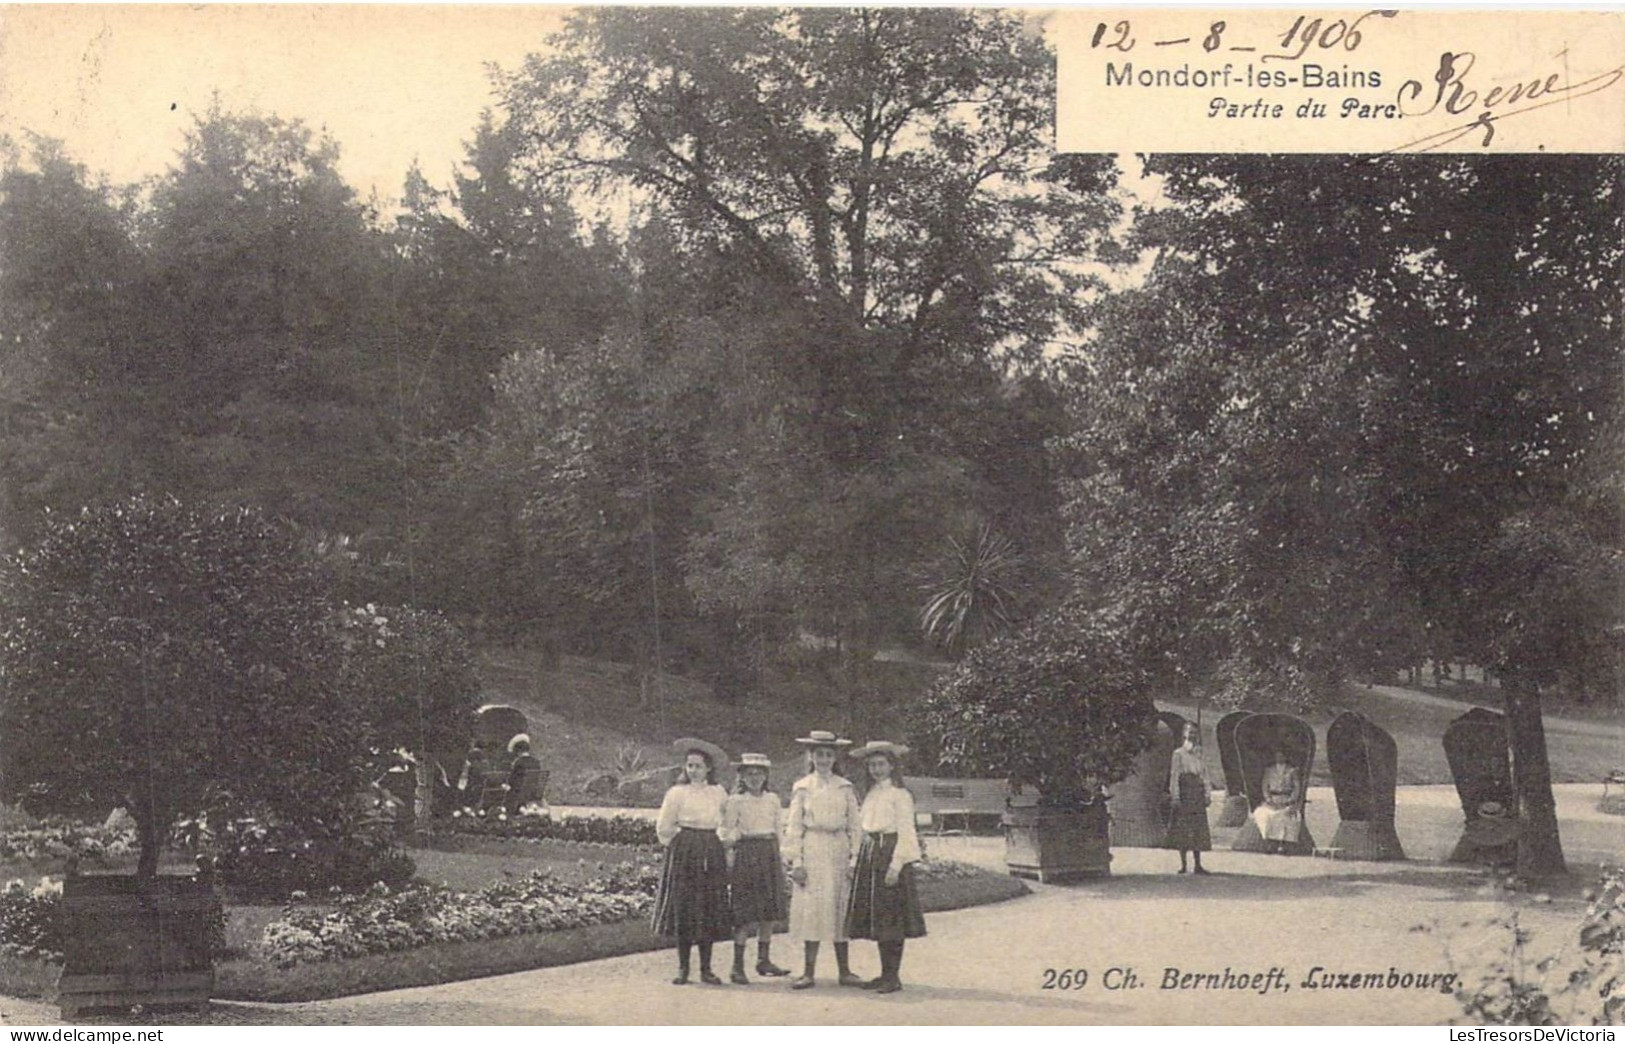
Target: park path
988, 965
1552, 723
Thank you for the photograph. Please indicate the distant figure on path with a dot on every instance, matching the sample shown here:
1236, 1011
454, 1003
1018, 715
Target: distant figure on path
821, 836
751, 824
692, 904
885, 904
1190, 793
522, 774
1277, 816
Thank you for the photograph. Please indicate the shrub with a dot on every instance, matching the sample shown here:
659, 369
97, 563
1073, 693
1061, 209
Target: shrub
170, 652
257, 861
1584, 982
605, 830
410, 676
1062, 706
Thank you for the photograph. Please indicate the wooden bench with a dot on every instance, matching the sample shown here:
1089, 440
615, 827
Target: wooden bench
936, 800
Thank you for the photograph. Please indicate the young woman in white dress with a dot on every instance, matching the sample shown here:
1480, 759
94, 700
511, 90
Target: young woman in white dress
821, 835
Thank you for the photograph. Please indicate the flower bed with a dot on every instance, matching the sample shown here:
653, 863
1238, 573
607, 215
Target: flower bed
60, 838
545, 826
29, 921
381, 921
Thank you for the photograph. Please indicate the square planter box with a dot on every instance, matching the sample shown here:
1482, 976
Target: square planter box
1057, 844
130, 941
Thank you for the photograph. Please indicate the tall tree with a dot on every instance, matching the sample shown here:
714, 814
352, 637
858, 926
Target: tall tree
889, 232
1367, 412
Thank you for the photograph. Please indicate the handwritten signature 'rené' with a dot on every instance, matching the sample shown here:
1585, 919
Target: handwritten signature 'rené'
1455, 93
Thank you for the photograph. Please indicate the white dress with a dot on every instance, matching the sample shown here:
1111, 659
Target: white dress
821, 834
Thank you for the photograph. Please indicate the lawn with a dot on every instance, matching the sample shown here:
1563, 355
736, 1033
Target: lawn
1580, 751
583, 713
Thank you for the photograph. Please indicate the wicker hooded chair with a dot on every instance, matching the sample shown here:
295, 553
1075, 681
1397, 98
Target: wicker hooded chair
1365, 769
1258, 738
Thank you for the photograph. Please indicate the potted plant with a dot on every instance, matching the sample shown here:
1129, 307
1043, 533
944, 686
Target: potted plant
1059, 708
154, 659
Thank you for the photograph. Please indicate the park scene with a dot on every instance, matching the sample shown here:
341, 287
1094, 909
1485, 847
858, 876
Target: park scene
1187, 585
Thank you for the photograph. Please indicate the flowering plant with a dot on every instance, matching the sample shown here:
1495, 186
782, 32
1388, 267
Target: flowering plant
382, 921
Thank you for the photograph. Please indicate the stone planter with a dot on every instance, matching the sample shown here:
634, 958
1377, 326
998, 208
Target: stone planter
1054, 844
129, 941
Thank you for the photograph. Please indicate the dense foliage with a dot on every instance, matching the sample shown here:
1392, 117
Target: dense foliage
409, 675
1061, 706
162, 660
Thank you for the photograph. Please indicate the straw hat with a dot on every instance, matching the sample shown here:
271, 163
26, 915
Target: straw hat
820, 738
514, 743
719, 757
761, 761
886, 747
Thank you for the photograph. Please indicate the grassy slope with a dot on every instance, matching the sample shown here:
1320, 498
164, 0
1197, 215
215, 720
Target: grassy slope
582, 711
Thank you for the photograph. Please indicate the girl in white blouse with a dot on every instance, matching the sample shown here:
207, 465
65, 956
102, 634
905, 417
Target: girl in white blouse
885, 904
751, 821
692, 904
821, 836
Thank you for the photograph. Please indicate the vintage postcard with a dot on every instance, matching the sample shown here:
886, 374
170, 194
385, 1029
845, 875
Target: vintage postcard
811, 516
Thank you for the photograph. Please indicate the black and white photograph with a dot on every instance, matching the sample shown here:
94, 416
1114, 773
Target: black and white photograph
692, 516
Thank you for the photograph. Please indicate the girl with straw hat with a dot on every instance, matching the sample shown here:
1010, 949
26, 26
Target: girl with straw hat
820, 838
751, 822
885, 906
692, 904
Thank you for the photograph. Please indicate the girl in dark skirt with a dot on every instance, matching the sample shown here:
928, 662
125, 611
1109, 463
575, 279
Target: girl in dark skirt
692, 904
885, 905
751, 821
1187, 786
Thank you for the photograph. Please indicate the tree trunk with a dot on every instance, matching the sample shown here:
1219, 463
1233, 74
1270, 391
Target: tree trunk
152, 844
1540, 849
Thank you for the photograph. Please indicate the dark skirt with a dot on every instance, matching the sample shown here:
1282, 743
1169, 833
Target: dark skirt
756, 885
876, 911
1187, 829
692, 904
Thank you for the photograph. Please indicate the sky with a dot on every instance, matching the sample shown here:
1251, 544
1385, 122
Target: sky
121, 84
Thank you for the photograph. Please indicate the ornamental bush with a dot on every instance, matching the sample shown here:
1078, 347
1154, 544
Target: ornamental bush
1062, 706
153, 655
256, 861
409, 674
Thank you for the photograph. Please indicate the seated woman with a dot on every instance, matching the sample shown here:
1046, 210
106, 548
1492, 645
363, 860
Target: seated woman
1279, 817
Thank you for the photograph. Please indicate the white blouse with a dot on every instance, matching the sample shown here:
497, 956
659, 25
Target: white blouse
889, 809
697, 806
750, 815
822, 807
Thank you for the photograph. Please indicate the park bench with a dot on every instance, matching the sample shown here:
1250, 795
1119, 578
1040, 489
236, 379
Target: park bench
938, 800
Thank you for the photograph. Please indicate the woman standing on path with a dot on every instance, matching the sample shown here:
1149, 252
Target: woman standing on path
885, 905
820, 839
692, 904
750, 830
1191, 795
